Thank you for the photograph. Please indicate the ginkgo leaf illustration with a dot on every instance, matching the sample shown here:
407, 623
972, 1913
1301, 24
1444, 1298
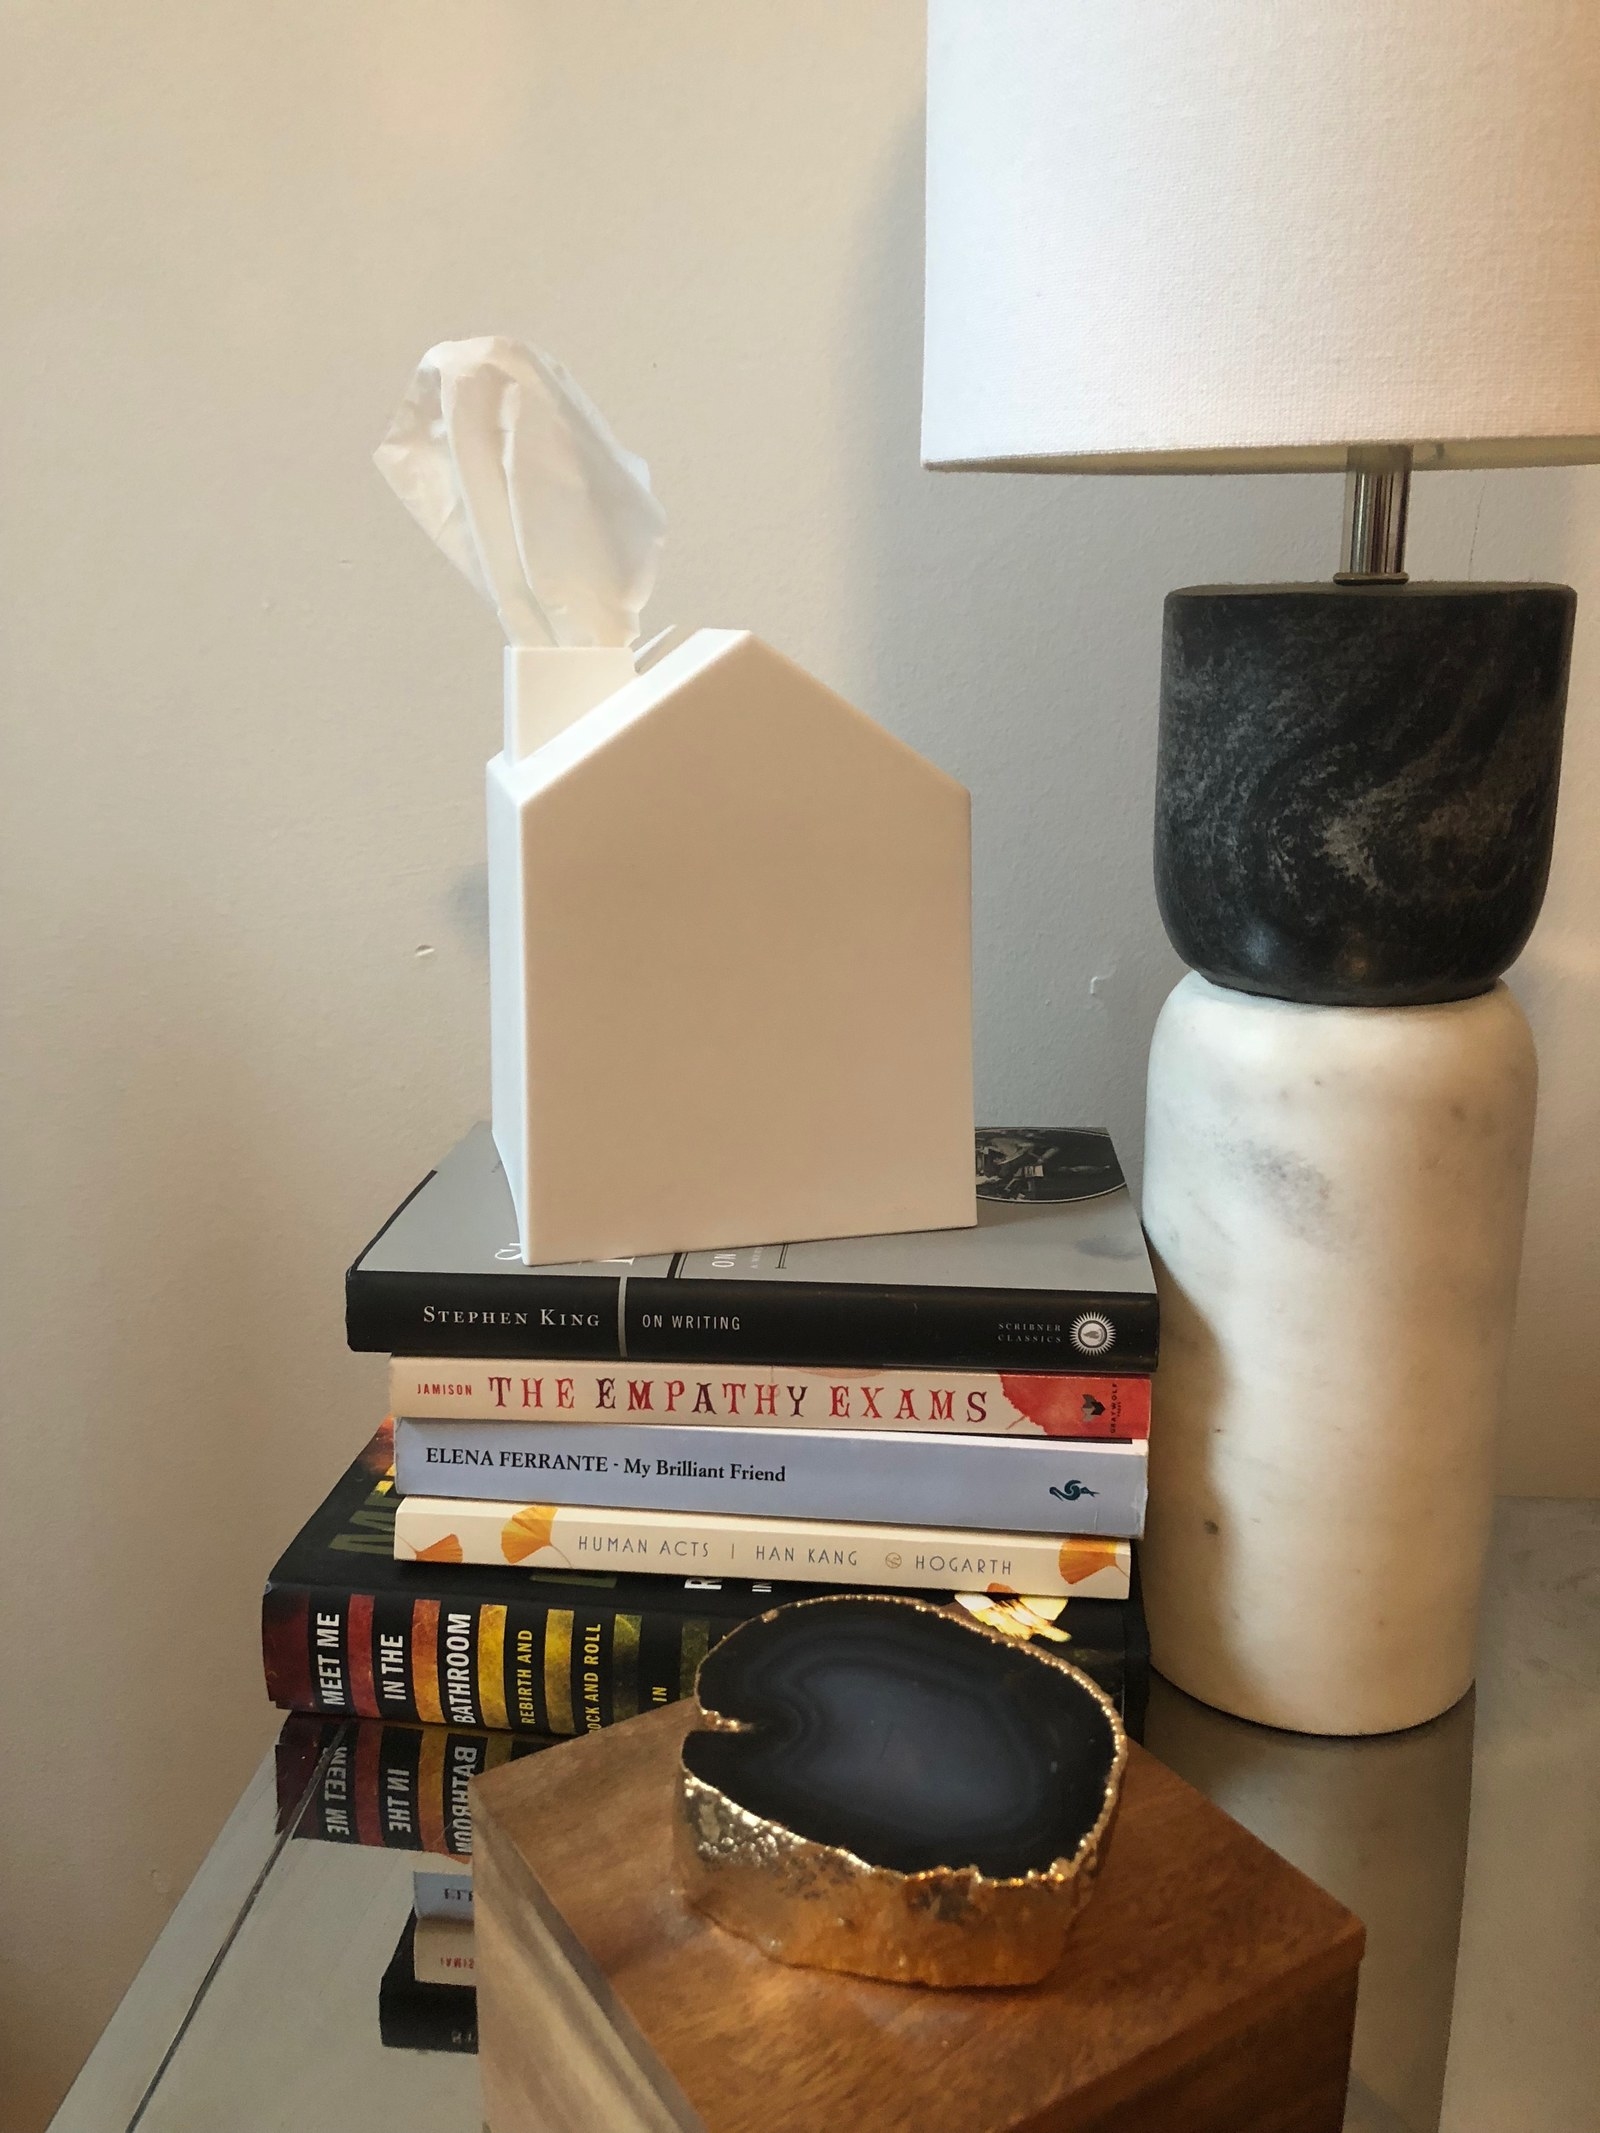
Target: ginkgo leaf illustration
1081, 1558
447, 1549
526, 1531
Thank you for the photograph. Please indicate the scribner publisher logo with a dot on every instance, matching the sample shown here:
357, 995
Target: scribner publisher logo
1092, 1334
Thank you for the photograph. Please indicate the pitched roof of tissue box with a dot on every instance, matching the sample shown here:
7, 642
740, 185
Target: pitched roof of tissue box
730, 963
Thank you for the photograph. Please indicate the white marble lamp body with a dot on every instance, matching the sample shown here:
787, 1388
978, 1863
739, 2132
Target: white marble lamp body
730, 958
1334, 1199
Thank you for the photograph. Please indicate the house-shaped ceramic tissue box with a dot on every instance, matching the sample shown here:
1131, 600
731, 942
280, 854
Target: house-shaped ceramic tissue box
730, 958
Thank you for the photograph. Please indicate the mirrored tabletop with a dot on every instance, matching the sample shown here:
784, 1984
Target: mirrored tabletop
1470, 1848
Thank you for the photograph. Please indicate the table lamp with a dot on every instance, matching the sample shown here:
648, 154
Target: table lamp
1236, 235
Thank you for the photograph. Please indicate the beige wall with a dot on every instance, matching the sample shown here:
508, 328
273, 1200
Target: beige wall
246, 709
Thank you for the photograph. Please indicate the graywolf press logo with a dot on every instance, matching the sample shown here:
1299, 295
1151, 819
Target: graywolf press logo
1070, 1491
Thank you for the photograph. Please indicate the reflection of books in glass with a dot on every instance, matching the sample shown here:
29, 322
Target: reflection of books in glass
442, 1951
399, 1786
421, 2017
443, 1894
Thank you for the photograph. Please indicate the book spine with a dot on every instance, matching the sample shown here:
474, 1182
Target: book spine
524, 1667
404, 1787
1027, 1485
420, 2017
444, 1951
396, 1787
427, 2018
527, 1313
770, 1396
731, 1320
809, 1551
653, 1319
1134, 1700
442, 1895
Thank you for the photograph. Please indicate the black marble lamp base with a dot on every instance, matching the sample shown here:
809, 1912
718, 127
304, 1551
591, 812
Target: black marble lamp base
1356, 787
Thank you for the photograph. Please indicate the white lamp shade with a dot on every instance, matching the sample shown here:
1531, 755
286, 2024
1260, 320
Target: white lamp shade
1214, 234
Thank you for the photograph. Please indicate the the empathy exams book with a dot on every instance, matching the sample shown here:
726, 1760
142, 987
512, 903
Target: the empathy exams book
771, 1396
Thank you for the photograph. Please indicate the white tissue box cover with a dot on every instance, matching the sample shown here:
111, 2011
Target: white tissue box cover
730, 968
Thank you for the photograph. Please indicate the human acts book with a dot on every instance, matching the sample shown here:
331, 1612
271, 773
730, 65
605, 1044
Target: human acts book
448, 1530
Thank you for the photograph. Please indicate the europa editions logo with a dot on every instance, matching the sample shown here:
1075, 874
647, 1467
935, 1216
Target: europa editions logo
1070, 1491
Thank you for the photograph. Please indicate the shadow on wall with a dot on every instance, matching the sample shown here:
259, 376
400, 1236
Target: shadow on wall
1010, 625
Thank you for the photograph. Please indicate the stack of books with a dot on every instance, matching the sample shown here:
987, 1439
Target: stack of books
595, 1471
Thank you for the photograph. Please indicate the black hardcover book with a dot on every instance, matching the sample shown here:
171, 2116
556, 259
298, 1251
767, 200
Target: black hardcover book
465, 1650
424, 2018
1134, 1699
1055, 1276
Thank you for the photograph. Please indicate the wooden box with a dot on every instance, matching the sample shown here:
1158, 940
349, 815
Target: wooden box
1208, 1988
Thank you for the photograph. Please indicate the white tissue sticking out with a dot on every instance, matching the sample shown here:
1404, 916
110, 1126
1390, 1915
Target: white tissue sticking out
514, 472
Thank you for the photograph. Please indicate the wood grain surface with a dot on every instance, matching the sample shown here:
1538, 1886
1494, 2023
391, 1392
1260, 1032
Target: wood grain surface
1208, 1988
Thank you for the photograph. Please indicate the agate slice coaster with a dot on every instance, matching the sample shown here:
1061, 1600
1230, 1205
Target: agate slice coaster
879, 1787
